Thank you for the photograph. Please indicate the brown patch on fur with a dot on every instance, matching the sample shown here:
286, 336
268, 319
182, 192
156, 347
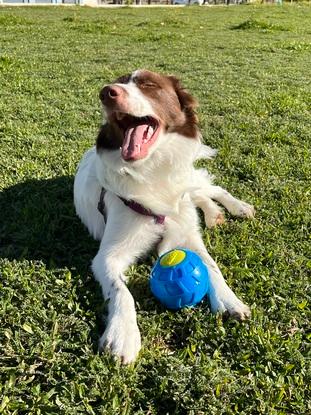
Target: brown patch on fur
124, 79
188, 105
171, 102
109, 137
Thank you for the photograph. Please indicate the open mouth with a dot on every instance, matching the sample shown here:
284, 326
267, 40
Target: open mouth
139, 135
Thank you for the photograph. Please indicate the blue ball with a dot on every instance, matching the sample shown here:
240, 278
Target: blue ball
179, 279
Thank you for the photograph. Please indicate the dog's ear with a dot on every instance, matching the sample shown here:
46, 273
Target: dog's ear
188, 104
186, 100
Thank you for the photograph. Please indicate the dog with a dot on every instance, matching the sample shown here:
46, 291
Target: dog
138, 188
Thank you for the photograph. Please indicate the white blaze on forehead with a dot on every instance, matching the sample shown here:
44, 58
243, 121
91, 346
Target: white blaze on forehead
135, 74
137, 103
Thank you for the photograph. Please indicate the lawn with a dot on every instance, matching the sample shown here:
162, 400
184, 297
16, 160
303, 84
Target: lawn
249, 67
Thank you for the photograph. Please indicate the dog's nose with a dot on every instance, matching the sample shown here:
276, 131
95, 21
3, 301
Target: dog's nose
111, 92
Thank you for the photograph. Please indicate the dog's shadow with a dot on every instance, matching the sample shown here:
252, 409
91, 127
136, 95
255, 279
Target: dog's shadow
38, 223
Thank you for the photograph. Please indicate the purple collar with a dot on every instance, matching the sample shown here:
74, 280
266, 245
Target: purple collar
137, 207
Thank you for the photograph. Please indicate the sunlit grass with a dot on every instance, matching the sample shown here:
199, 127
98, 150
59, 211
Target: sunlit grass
253, 85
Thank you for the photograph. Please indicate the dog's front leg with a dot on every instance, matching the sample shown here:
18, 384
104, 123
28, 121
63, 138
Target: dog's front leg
127, 236
204, 195
121, 335
235, 206
222, 298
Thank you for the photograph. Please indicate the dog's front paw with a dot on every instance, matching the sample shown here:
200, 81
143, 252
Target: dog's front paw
122, 338
229, 303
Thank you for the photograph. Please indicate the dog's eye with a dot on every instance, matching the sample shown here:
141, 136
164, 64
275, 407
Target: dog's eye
148, 85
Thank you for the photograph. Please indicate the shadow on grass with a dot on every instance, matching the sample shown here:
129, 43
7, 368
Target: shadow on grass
253, 24
39, 224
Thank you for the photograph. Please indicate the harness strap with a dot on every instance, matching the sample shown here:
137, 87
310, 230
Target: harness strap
137, 207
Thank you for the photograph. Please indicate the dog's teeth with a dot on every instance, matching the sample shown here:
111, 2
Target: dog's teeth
149, 132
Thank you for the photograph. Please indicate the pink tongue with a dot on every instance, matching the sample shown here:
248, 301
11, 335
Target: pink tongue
133, 147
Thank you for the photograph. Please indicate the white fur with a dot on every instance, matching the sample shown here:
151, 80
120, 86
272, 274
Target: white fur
136, 101
167, 183
86, 192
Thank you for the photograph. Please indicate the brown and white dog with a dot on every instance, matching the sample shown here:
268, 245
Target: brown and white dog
141, 171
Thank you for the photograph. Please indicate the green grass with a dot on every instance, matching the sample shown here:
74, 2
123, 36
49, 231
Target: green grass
249, 67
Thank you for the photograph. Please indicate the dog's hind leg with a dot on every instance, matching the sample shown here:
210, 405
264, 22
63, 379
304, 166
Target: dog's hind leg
222, 298
213, 214
206, 190
235, 206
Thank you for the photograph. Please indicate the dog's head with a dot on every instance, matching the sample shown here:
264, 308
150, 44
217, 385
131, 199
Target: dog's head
140, 109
